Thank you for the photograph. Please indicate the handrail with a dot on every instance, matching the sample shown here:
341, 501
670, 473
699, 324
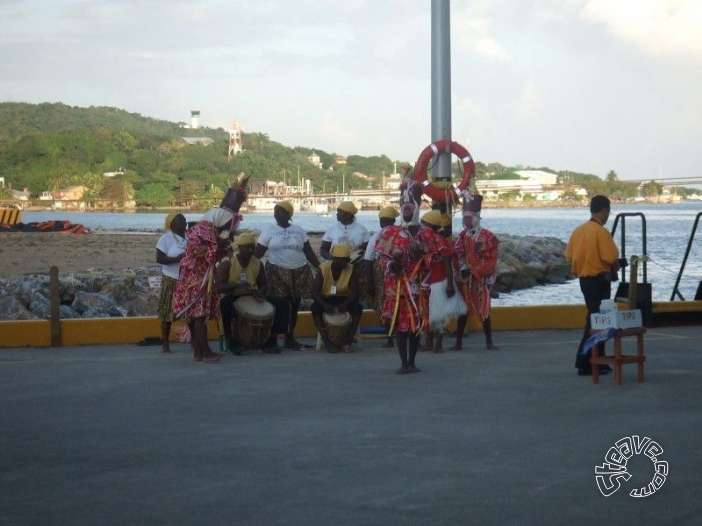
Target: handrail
676, 291
622, 243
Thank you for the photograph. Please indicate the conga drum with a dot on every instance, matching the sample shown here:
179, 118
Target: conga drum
255, 320
337, 328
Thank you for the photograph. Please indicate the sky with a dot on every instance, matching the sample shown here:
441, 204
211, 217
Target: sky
583, 85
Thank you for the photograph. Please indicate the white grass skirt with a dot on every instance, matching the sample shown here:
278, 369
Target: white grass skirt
442, 308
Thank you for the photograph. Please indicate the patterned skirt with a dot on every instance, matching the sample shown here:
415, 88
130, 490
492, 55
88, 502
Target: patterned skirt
165, 299
288, 282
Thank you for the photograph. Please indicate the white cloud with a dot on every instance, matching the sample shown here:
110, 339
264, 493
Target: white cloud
530, 101
658, 27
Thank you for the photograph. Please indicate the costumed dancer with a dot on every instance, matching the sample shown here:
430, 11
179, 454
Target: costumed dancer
195, 298
442, 307
406, 252
477, 251
372, 284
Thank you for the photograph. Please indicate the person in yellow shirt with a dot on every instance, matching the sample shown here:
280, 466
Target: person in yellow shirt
594, 258
241, 275
335, 290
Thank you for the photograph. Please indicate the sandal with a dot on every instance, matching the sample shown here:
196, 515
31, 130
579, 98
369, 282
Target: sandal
297, 346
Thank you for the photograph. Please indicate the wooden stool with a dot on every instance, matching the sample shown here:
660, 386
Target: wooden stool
620, 359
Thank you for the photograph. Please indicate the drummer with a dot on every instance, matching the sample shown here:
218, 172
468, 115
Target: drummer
335, 290
241, 275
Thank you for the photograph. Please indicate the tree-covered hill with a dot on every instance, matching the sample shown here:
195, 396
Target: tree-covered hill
51, 146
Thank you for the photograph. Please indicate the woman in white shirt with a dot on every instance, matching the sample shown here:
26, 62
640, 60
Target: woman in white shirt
345, 230
170, 248
288, 274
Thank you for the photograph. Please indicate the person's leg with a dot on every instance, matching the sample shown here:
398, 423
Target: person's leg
226, 308
594, 291
197, 350
280, 324
356, 310
412, 347
460, 329
165, 336
200, 342
487, 329
290, 341
402, 350
438, 342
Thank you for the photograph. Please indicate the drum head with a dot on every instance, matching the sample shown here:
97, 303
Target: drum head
340, 319
250, 306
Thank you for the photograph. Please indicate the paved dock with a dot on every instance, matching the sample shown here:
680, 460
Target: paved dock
126, 435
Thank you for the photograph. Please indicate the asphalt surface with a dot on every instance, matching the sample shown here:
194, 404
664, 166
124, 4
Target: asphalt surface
124, 434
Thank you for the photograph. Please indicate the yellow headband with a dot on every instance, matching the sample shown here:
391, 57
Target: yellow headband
341, 250
287, 206
246, 239
445, 220
389, 212
169, 219
347, 206
433, 217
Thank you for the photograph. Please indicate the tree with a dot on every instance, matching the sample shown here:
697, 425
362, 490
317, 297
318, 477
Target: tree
154, 194
612, 176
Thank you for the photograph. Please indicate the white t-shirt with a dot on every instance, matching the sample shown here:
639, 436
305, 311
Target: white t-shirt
354, 234
172, 245
284, 245
371, 254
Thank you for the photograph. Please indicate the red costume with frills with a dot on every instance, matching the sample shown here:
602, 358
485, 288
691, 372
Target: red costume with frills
406, 295
479, 253
195, 295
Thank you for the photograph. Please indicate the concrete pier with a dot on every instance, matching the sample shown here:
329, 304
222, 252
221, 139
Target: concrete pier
122, 434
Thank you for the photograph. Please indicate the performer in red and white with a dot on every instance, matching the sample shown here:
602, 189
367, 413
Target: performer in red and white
405, 255
477, 251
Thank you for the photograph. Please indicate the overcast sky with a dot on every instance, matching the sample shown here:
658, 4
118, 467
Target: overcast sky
582, 85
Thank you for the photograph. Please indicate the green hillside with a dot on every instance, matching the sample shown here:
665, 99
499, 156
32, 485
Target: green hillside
51, 146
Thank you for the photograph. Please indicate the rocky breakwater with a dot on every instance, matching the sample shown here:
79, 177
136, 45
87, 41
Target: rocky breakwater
525, 261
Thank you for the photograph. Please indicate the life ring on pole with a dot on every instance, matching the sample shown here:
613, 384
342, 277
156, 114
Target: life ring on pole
438, 190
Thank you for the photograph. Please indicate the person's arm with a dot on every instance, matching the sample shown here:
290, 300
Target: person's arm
317, 289
324, 249
310, 255
353, 291
261, 283
163, 259
222, 278
259, 251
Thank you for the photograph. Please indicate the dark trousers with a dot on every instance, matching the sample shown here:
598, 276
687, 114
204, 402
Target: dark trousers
594, 289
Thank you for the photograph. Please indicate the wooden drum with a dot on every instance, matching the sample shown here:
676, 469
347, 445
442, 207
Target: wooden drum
255, 320
337, 326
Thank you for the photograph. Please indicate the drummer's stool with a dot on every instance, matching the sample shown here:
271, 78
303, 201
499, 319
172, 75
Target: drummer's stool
619, 359
357, 345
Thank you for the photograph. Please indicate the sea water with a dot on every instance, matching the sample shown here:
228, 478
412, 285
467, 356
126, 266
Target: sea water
668, 231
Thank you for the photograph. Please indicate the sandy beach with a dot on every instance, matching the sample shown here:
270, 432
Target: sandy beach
37, 252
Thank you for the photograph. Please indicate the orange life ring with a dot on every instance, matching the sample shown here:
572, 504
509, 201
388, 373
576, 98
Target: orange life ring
428, 187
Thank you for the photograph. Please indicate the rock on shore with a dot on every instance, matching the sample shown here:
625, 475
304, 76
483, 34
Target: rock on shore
525, 261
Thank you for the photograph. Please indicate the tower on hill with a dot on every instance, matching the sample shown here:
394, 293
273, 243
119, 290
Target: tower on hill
194, 119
